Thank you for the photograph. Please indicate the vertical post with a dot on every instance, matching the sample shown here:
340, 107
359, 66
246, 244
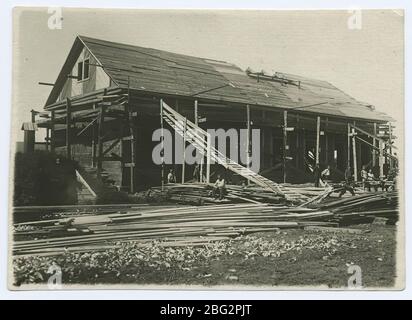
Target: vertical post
94, 145
390, 146
248, 137
381, 158
184, 151
68, 129
132, 137
285, 143
348, 146
94, 141
196, 112
33, 116
326, 141
162, 144
47, 139
100, 141
355, 162
297, 154
197, 124
208, 157
317, 138
52, 134
374, 144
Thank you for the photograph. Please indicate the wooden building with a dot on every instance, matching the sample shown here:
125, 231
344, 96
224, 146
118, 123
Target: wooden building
105, 104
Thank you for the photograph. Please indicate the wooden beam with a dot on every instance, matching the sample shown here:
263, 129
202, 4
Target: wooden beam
208, 156
326, 141
52, 133
196, 112
317, 139
381, 158
374, 144
94, 141
68, 129
285, 143
348, 146
100, 135
84, 182
355, 161
390, 146
184, 151
248, 137
112, 145
47, 139
197, 124
297, 149
162, 144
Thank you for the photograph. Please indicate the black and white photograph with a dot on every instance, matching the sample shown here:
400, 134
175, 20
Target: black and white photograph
207, 149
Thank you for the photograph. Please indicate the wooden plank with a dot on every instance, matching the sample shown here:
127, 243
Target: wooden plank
355, 160
285, 143
68, 129
317, 139
336, 230
100, 136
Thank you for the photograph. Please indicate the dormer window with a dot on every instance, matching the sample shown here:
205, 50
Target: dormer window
83, 70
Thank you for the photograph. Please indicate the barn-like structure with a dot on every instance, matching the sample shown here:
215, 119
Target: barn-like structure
107, 101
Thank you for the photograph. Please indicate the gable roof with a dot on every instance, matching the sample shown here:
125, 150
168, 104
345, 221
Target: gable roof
157, 71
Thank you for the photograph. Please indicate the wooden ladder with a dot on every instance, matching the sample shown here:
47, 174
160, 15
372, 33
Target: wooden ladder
199, 139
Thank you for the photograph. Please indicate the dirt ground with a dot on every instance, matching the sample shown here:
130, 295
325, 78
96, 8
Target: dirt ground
289, 257
373, 252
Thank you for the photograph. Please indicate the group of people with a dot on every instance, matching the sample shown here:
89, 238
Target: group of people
198, 175
219, 188
368, 179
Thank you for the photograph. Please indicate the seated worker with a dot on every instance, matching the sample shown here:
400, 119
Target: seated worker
325, 175
171, 178
219, 188
348, 185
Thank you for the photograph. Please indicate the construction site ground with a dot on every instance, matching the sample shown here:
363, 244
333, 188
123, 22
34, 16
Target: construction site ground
292, 257
244, 243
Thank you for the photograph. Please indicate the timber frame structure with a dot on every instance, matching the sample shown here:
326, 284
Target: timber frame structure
104, 106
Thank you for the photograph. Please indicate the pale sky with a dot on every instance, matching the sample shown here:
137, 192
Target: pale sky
368, 63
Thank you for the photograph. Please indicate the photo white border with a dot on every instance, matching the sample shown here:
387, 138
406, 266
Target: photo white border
5, 102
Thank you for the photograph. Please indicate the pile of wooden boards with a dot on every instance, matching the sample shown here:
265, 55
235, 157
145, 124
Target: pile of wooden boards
104, 226
363, 208
197, 194
193, 225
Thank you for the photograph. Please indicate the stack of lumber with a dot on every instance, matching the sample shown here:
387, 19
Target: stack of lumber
33, 213
196, 193
363, 208
190, 225
197, 225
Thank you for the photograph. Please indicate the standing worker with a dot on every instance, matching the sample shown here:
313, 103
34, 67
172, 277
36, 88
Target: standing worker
364, 177
348, 185
316, 175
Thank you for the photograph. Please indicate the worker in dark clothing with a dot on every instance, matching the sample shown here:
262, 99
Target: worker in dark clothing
348, 185
316, 175
348, 174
